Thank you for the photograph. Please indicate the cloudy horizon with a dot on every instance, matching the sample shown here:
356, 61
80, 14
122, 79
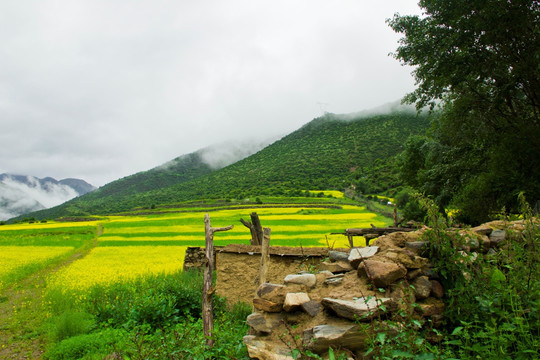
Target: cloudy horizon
99, 90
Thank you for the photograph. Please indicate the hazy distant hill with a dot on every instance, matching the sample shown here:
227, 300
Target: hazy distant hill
21, 194
330, 152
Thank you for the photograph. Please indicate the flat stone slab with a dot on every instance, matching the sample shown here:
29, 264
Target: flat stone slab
358, 254
335, 267
303, 279
335, 279
265, 350
319, 338
362, 309
338, 256
266, 305
264, 322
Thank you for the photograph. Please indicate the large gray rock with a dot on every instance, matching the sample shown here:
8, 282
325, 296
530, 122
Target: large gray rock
357, 255
319, 338
264, 322
422, 287
497, 236
362, 309
381, 273
303, 279
338, 256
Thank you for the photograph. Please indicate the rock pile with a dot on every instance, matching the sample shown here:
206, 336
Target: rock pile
326, 308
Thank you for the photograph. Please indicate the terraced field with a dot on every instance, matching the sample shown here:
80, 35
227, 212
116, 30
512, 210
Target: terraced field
131, 246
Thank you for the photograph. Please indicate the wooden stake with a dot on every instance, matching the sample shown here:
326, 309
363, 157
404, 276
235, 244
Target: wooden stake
258, 228
265, 256
208, 288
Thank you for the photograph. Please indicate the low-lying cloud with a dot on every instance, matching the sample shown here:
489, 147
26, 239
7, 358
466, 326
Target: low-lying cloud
20, 197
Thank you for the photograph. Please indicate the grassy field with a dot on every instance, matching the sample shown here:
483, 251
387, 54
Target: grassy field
76, 258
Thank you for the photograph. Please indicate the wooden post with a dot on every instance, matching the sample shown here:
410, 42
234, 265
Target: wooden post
395, 216
351, 243
249, 225
258, 228
208, 288
265, 256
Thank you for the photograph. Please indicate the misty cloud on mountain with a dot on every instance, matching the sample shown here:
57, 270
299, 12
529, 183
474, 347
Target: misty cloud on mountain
20, 194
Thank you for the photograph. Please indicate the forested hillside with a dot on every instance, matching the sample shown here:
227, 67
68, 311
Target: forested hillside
330, 152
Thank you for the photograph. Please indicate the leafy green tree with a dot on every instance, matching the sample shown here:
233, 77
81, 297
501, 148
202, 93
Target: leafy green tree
478, 61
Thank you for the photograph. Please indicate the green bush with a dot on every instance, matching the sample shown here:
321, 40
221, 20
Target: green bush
88, 346
72, 323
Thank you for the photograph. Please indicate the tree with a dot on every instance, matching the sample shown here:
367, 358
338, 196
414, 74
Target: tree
476, 60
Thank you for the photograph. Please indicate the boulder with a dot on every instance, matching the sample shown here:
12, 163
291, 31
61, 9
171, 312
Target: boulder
264, 322
437, 289
338, 256
303, 279
358, 254
293, 301
497, 236
422, 287
335, 267
381, 273
362, 309
267, 305
319, 338
265, 350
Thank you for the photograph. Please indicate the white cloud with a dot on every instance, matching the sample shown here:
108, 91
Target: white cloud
102, 89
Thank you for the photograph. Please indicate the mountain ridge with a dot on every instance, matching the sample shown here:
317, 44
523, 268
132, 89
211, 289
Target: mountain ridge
329, 152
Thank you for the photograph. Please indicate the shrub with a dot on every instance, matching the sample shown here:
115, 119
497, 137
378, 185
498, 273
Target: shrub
72, 323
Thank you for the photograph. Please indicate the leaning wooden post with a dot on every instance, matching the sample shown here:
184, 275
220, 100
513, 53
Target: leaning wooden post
258, 228
208, 289
265, 256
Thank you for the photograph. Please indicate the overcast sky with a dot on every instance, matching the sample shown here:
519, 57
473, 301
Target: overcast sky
99, 90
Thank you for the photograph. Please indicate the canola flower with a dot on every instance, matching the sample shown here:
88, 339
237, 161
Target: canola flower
106, 265
333, 193
13, 258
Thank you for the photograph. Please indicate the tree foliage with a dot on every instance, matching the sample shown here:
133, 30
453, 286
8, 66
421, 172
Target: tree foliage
477, 61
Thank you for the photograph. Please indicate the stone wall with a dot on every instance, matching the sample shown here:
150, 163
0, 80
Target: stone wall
237, 268
325, 305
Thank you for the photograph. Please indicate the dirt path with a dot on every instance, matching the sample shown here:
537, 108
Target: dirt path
22, 312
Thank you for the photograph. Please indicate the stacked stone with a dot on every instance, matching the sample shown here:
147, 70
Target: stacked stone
324, 308
195, 258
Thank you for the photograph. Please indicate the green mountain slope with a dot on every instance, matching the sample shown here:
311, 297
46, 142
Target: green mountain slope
327, 153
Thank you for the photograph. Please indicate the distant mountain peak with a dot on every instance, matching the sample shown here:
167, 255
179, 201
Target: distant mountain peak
21, 194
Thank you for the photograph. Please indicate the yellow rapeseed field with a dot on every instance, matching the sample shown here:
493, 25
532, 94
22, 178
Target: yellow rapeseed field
105, 265
13, 258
